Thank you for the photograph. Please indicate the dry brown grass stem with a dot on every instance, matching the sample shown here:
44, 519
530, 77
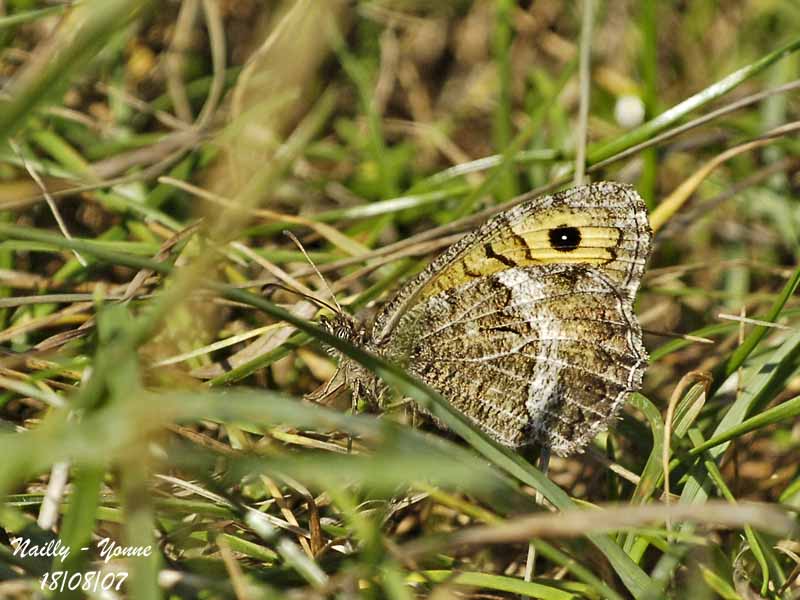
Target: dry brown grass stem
673, 203
608, 518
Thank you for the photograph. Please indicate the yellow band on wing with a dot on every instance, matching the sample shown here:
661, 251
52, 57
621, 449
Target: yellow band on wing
560, 237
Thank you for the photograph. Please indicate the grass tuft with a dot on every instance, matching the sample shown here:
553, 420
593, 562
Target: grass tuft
159, 391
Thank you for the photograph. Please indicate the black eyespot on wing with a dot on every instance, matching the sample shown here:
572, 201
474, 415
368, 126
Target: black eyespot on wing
564, 238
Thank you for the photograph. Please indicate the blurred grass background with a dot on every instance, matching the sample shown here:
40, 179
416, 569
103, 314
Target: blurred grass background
151, 391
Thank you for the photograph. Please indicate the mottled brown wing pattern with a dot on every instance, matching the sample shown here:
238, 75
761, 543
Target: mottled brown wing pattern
542, 354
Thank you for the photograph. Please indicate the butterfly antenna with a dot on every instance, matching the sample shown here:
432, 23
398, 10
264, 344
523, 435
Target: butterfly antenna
324, 281
313, 299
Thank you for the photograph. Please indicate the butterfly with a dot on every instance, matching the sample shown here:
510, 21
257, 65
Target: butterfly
526, 325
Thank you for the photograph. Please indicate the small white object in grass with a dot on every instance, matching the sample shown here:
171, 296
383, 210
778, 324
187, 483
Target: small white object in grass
256, 521
629, 111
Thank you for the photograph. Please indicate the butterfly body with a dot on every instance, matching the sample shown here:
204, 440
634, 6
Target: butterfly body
526, 325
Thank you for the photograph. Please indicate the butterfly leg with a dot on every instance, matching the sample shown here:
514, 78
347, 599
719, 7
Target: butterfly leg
358, 394
330, 381
319, 396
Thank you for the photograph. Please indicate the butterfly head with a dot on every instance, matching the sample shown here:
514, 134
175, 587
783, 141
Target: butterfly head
344, 327
362, 382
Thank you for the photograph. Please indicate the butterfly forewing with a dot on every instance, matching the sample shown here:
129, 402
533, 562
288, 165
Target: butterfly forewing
603, 224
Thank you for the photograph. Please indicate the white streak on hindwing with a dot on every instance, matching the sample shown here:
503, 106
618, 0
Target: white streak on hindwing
547, 330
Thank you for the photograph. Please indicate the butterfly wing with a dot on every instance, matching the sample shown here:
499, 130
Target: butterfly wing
546, 354
531, 333
603, 225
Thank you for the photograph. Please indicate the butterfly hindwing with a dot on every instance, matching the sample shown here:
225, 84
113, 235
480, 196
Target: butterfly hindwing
546, 353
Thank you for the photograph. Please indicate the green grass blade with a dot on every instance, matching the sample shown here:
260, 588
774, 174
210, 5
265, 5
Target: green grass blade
722, 372
79, 520
785, 411
651, 475
527, 589
757, 547
28, 16
82, 33
502, 126
677, 112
